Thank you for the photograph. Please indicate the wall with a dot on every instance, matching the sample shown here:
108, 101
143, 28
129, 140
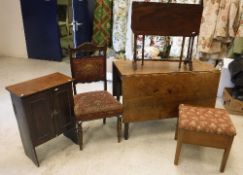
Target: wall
12, 40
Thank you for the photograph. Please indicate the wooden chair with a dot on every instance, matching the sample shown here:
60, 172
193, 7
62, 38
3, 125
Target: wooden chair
87, 67
206, 127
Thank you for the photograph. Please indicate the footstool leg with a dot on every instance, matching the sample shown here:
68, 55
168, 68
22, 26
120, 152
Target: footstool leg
176, 132
126, 130
178, 151
80, 135
119, 128
225, 157
104, 121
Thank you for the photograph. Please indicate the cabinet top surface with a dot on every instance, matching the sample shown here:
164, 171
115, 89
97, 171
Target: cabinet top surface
125, 67
36, 85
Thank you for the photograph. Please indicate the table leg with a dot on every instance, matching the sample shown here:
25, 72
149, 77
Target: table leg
182, 49
116, 88
143, 50
134, 64
126, 131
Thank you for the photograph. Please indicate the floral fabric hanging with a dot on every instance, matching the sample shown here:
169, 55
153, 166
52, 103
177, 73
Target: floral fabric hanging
239, 32
237, 45
120, 11
219, 25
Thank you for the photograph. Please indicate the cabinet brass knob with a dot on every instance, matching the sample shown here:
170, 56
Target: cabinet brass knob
56, 89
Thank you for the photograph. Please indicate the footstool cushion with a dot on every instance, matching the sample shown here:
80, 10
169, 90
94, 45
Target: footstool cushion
209, 120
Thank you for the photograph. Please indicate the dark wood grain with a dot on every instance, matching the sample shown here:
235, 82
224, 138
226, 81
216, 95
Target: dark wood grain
36, 85
166, 19
38, 110
44, 111
24, 129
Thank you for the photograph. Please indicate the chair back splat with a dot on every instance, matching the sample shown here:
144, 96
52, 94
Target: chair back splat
88, 64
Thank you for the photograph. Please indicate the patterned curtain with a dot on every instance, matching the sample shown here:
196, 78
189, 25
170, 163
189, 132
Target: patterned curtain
220, 24
239, 32
120, 18
237, 46
102, 22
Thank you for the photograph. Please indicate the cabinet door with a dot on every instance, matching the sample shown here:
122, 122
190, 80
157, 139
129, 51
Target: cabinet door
40, 117
63, 108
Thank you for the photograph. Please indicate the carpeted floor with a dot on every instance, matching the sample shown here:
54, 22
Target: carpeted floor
150, 149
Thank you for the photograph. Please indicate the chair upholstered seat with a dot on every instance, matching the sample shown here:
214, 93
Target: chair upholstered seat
208, 120
95, 105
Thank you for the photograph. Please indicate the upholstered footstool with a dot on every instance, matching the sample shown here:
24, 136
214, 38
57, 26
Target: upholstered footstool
206, 127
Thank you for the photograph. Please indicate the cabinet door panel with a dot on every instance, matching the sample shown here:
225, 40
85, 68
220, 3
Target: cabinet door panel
63, 107
40, 118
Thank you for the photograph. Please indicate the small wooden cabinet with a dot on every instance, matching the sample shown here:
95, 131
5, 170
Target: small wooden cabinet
44, 109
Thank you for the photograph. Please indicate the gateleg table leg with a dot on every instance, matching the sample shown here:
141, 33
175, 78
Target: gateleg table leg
126, 135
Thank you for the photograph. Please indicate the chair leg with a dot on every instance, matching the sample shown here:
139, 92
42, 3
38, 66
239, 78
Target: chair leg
225, 157
80, 135
119, 128
176, 132
178, 151
74, 89
104, 121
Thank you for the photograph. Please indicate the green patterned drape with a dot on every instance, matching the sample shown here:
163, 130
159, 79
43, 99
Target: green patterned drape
102, 22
